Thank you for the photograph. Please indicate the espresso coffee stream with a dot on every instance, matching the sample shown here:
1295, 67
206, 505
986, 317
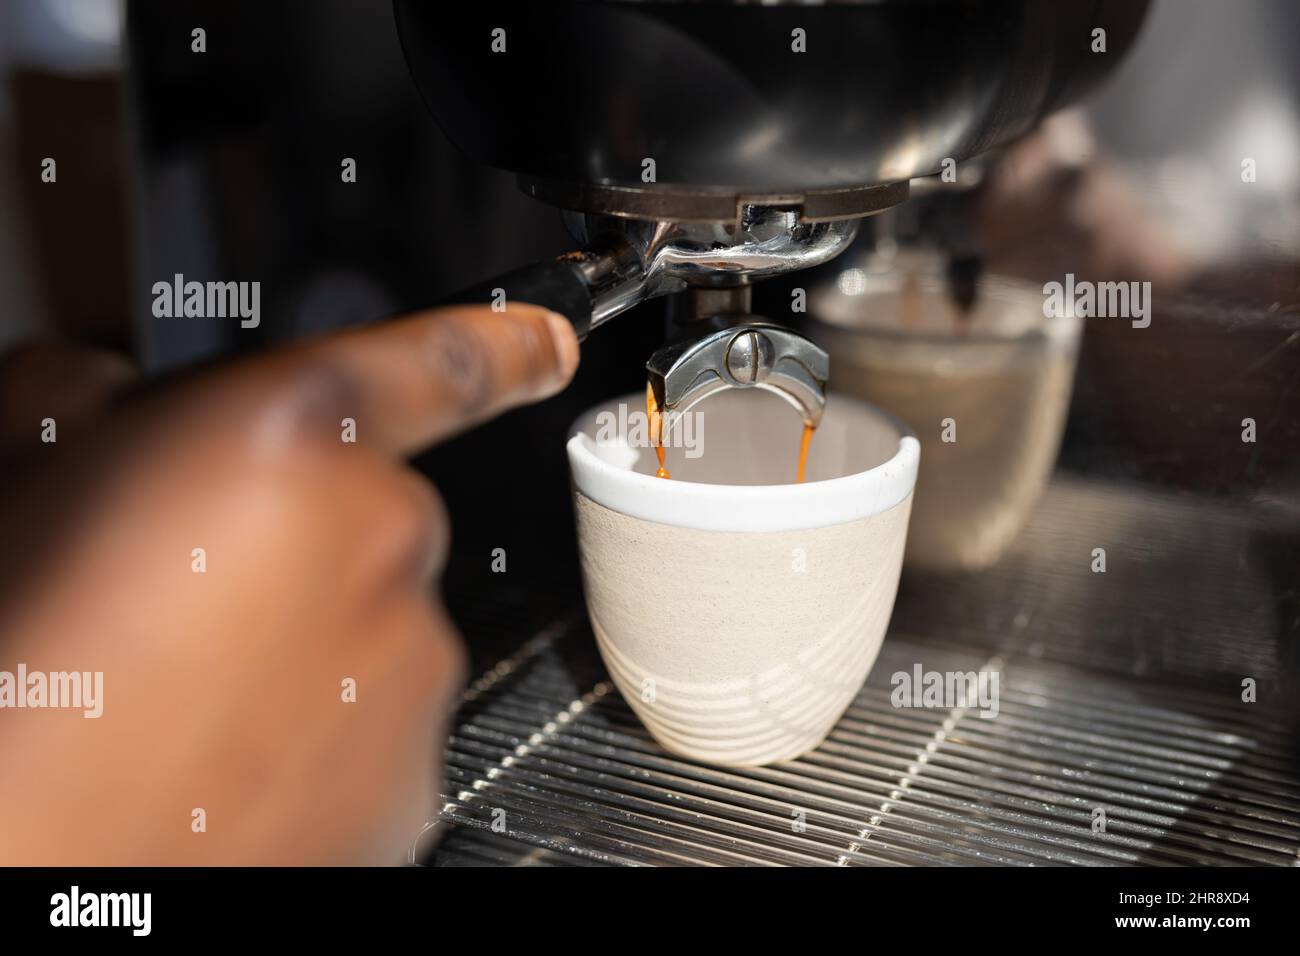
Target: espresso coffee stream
655, 416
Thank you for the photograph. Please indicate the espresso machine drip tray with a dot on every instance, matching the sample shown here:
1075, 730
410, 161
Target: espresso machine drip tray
1121, 736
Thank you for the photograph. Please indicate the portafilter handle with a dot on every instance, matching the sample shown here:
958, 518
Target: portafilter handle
626, 261
558, 285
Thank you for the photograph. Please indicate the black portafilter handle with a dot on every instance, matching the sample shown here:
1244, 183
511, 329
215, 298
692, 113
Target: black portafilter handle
556, 285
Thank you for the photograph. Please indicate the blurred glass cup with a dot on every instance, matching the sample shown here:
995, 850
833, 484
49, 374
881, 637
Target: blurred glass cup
986, 392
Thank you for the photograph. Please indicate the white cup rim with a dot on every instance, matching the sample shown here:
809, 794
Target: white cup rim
744, 508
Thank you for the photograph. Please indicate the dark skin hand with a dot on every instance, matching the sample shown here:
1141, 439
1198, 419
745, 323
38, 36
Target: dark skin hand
224, 690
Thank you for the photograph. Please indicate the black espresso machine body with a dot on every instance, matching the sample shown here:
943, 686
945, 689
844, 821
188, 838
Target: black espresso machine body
771, 99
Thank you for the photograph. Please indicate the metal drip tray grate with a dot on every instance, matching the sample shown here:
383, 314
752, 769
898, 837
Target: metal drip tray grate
546, 749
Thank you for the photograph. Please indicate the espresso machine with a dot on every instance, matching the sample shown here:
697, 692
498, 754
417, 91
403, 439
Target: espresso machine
695, 148
686, 166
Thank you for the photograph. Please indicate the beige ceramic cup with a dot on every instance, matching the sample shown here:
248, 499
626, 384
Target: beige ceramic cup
739, 613
987, 394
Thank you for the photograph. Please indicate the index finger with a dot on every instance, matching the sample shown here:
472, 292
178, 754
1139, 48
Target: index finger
414, 381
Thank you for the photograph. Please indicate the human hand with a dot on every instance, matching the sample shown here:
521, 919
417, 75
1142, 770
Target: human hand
226, 670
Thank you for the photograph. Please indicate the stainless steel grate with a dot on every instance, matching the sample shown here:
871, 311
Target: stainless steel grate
1118, 691
545, 747
1194, 587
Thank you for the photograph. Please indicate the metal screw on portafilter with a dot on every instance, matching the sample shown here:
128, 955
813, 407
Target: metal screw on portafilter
750, 355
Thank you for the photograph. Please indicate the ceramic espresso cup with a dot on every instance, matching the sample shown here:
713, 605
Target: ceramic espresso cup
737, 612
